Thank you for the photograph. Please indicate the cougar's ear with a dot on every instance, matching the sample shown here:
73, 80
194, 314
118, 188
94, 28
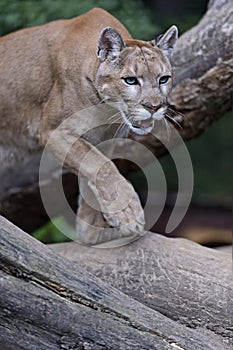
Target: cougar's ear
110, 44
167, 41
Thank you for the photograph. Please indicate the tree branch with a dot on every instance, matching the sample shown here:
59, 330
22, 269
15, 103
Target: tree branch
203, 67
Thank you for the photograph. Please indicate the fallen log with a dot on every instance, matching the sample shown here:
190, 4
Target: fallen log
203, 89
182, 280
49, 302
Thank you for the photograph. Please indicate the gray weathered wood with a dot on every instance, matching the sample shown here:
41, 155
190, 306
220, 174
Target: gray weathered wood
203, 67
188, 283
48, 302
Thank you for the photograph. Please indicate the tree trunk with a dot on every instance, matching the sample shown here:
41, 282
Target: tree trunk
48, 302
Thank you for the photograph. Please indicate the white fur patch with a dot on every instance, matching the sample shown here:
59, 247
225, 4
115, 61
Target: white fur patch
142, 114
159, 114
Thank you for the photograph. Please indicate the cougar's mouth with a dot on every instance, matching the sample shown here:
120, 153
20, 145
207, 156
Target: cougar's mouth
143, 127
140, 125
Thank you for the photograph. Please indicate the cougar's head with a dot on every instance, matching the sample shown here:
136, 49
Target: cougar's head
136, 77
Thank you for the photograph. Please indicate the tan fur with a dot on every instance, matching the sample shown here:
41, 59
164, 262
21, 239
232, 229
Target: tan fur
50, 72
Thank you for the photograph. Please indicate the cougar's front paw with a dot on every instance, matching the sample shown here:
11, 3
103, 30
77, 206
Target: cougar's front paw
92, 228
130, 219
121, 208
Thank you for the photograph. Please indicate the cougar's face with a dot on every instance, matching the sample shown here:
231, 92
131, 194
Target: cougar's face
137, 82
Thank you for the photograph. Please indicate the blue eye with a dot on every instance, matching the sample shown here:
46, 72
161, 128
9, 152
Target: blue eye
131, 81
164, 79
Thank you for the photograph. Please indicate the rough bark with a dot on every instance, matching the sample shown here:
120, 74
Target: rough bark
203, 67
186, 282
48, 302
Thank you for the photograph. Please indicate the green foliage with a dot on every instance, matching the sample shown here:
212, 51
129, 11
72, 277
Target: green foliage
183, 25
50, 232
16, 14
211, 155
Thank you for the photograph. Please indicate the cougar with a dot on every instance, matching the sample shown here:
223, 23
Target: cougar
55, 80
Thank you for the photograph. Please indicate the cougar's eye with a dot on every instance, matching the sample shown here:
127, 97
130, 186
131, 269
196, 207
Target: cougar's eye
131, 80
164, 79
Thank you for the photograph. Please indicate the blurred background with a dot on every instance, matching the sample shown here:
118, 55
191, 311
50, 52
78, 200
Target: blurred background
209, 218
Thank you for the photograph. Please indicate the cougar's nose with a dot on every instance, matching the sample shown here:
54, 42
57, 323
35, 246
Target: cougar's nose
150, 107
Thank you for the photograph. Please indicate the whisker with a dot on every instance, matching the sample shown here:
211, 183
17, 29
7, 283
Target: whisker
114, 119
172, 120
124, 124
174, 113
117, 117
174, 110
121, 128
168, 128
